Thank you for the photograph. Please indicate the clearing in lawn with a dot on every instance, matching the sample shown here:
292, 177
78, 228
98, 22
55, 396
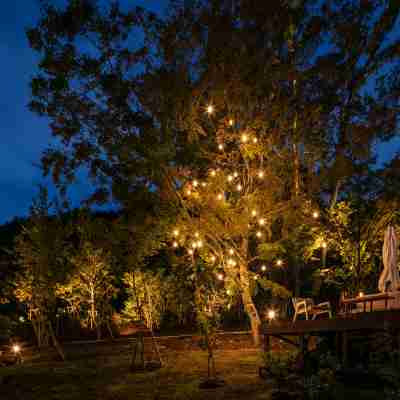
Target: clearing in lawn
101, 371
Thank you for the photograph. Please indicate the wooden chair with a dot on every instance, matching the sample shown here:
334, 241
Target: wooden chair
307, 307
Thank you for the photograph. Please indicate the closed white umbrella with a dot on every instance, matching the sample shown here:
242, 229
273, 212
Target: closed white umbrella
389, 279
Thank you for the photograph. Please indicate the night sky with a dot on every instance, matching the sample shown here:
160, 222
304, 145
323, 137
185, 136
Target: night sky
24, 135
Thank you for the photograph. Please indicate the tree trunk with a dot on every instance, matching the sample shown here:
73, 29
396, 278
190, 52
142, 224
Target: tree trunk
56, 344
248, 303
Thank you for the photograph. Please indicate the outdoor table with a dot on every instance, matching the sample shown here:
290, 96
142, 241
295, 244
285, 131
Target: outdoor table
364, 299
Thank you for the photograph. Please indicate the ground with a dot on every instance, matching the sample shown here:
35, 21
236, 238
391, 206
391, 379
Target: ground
102, 372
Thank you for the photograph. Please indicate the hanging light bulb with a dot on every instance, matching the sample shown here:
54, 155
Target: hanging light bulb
212, 258
271, 315
194, 245
279, 262
213, 173
259, 234
199, 244
210, 109
260, 174
261, 221
235, 174
230, 178
231, 122
263, 268
175, 232
324, 245
190, 251
315, 214
228, 292
231, 251
244, 138
175, 244
253, 213
188, 192
255, 140
234, 263
220, 277
255, 277
195, 183
196, 234
220, 147
220, 196
239, 187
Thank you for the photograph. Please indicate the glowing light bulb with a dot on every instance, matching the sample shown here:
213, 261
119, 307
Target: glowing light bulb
16, 348
228, 292
271, 314
255, 140
212, 258
235, 174
199, 244
279, 263
263, 268
230, 261
259, 234
324, 245
230, 178
190, 251
260, 174
195, 183
176, 232
231, 251
188, 192
213, 173
244, 138
231, 122
254, 213
204, 184
194, 245
239, 187
261, 221
220, 277
175, 244
196, 234
315, 214
255, 277
220, 147
220, 197
361, 294
234, 263
210, 109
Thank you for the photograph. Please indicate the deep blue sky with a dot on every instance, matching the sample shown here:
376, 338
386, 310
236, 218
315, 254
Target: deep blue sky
23, 135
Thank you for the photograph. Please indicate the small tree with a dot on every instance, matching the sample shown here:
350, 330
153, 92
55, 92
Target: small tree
146, 302
91, 285
40, 254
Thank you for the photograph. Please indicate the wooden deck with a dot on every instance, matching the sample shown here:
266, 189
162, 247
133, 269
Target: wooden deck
342, 327
372, 321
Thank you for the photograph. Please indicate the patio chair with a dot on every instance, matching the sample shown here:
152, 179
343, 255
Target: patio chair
307, 307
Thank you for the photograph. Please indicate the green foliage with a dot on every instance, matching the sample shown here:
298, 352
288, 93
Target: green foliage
147, 297
40, 251
91, 285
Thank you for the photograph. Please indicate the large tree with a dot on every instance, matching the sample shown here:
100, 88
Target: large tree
316, 83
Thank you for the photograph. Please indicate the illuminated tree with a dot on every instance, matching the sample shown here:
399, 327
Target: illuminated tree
40, 251
90, 288
230, 208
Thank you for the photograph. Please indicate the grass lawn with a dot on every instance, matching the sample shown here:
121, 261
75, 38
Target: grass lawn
102, 372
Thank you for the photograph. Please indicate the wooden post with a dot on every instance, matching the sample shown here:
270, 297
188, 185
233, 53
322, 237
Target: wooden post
137, 363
